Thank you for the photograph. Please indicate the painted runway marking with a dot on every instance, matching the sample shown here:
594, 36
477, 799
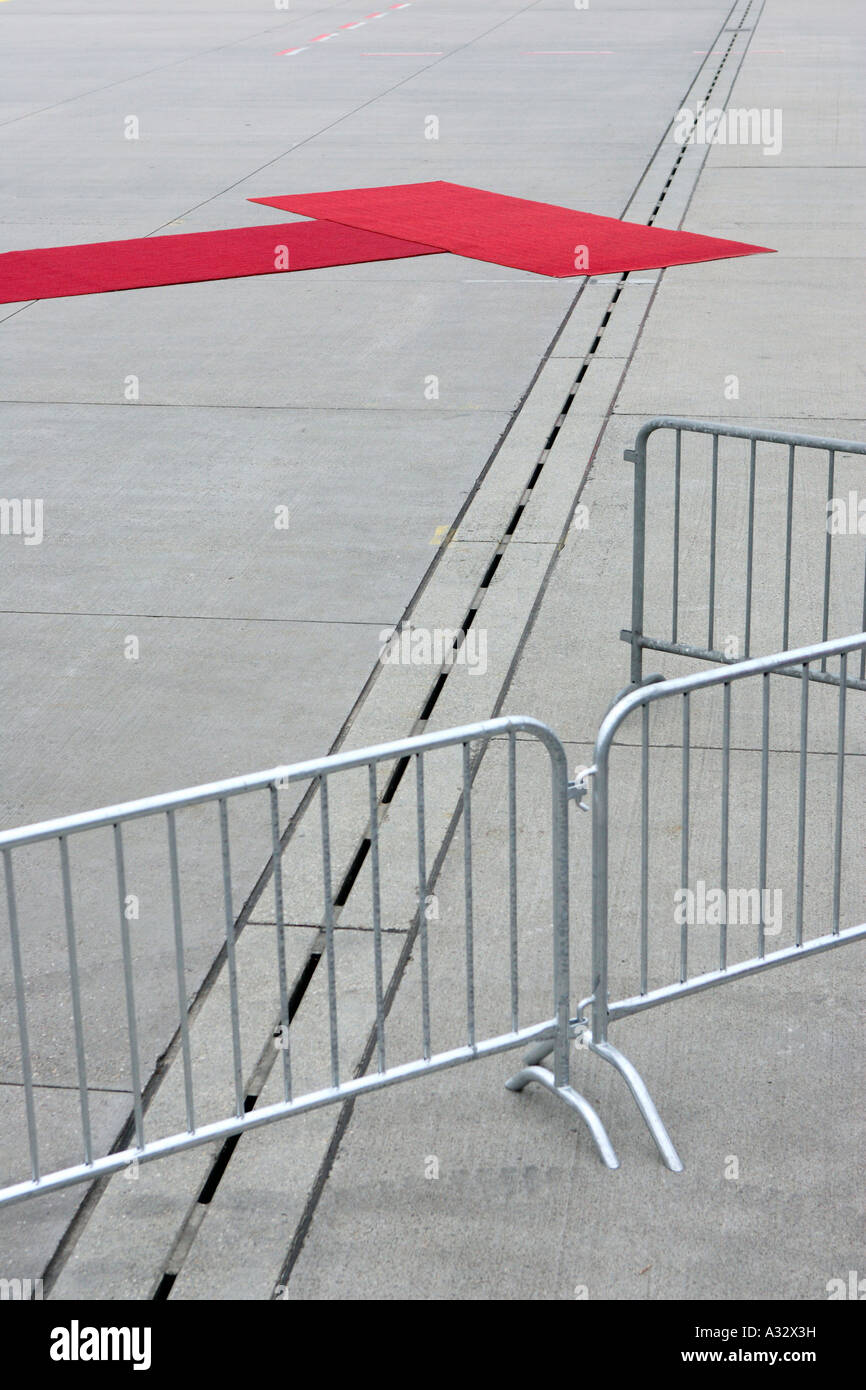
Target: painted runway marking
355, 24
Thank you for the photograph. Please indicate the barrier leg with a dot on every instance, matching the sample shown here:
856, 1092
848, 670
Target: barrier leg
569, 1096
643, 1100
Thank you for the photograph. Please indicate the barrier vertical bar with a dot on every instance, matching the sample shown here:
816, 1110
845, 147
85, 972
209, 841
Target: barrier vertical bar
467, 893
512, 881
684, 836
801, 802
132, 1026
377, 915
21, 1008
714, 509
789, 522
75, 989
750, 545
675, 602
644, 850
231, 960
328, 892
280, 929
840, 790
828, 551
726, 789
600, 802
638, 558
422, 902
180, 972
561, 965
765, 779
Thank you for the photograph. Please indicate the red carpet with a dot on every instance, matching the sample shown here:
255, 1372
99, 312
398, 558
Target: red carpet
539, 237
172, 260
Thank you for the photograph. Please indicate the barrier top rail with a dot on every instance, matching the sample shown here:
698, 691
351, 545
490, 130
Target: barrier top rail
676, 422
699, 680
289, 772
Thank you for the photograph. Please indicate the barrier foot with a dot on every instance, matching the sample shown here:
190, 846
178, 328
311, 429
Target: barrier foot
644, 1102
571, 1098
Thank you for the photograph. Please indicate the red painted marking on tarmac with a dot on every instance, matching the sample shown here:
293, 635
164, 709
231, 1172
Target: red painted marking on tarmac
354, 24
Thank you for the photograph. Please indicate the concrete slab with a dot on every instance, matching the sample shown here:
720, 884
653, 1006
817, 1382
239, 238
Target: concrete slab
28, 1232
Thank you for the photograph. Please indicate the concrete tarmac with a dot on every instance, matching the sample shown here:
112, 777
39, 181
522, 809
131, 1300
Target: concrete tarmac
257, 646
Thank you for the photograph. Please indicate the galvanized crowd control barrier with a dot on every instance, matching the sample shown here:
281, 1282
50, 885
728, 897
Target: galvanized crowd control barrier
63, 832
685, 691
794, 454
591, 1019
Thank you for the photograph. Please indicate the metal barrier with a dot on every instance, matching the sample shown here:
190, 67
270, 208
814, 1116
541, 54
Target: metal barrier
769, 481
551, 1033
320, 774
680, 873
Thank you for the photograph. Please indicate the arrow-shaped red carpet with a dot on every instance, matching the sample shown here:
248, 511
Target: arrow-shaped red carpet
365, 224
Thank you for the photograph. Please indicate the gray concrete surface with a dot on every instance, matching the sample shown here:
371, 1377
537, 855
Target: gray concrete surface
255, 645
